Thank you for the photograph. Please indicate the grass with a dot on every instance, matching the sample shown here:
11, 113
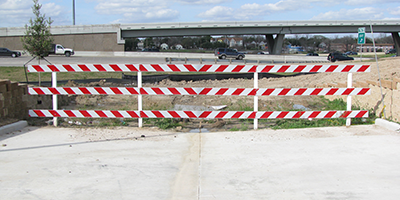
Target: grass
337, 104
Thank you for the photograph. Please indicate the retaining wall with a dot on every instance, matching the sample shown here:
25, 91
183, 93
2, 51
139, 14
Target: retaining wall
391, 93
15, 101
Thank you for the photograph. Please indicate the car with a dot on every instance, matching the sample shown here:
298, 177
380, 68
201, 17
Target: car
351, 53
391, 51
224, 53
263, 52
8, 52
338, 56
312, 54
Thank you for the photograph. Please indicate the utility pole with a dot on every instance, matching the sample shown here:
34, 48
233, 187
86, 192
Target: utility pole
73, 12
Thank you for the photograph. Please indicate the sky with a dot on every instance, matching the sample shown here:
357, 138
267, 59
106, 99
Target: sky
16, 13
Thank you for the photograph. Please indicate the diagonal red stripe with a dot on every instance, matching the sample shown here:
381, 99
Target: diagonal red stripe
284, 68
54, 91
267, 68
83, 67
101, 113
190, 68
100, 67
363, 68
69, 68
131, 68
314, 114
174, 68
115, 67
300, 91
238, 68
133, 114
69, 113
316, 68
205, 91
221, 114
237, 114
238, 91
190, 114
100, 90
132, 90
204, 114
332, 91
300, 68
116, 90
117, 114
221, 68
347, 68
37, 68
174, 114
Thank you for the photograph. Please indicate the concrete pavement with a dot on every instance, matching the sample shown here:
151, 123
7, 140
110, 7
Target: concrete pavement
360, 162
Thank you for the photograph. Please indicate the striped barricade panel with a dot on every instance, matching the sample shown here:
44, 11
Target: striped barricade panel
200, 114
197, 91
197, 68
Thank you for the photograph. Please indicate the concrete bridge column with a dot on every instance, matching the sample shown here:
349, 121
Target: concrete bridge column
275, 44
396, 40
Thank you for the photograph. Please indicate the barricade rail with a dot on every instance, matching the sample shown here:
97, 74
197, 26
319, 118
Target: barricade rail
256, 92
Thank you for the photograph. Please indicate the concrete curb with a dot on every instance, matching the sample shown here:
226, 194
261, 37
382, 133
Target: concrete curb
13, 127
388, 125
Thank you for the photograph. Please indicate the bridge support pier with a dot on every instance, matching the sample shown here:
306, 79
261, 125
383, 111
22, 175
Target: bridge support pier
275, 44
396, 40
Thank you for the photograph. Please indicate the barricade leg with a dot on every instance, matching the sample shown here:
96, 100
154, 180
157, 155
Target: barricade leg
255, 100
55, 102
140, 105
349, 85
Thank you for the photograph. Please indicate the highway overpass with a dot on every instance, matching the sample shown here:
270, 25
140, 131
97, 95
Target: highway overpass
111, 37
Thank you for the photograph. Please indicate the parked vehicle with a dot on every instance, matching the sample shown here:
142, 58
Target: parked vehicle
58, 49
263, 52
312, 54
338, 56
351, 53
8, 52
224, 53
391, 51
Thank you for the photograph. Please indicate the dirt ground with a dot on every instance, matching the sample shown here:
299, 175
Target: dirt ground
388, 69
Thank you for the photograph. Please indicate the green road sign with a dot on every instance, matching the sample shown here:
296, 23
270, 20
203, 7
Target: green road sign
361, 38
361, 35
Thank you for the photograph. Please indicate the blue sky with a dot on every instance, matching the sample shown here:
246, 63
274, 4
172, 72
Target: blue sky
16, 13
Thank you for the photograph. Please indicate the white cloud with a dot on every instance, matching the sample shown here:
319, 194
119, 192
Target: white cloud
368, 2
253, 11
16, 13
218, 13
394, 11
204, 2
137, 11
352, 14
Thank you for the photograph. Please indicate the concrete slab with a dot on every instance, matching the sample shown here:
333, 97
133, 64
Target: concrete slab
360, 162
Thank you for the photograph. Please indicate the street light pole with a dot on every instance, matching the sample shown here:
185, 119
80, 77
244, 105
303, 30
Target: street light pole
73, 12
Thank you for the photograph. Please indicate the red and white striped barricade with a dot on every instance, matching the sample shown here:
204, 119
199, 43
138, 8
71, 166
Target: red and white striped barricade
349, 91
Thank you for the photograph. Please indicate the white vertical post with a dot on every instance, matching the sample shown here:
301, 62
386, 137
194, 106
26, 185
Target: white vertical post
255, 100
349, 85
140, 105
55, 102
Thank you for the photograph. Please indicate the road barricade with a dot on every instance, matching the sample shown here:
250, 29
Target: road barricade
195, 68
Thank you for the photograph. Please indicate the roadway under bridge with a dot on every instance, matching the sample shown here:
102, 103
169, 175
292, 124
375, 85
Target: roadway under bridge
111, 37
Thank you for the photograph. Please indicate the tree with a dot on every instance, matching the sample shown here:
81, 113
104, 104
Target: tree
149, 43
38, 39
